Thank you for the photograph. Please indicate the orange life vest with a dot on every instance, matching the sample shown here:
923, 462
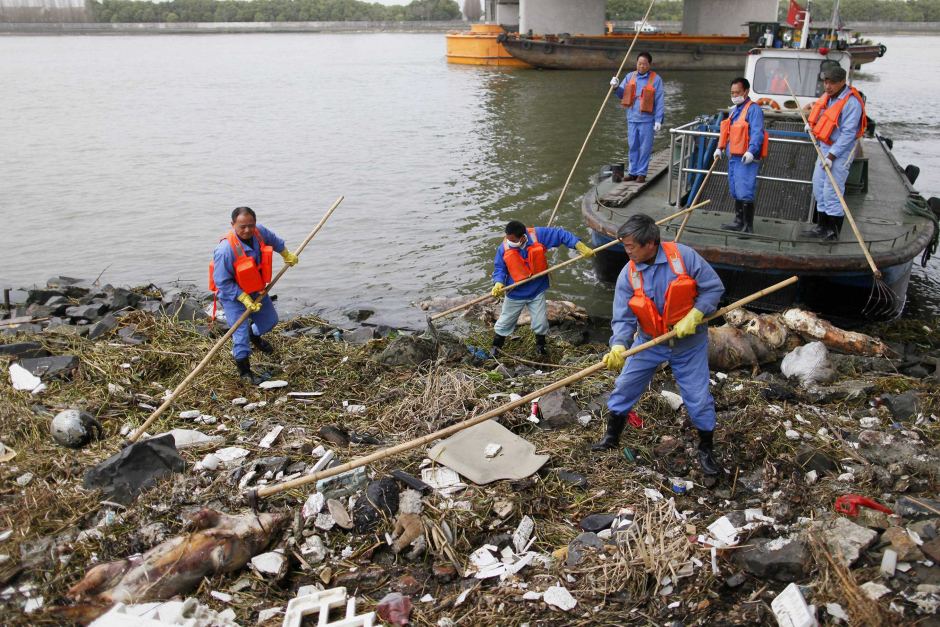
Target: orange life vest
248, 275
647, 94
519, 268
824, 119
680, 295
739, 134
778, 85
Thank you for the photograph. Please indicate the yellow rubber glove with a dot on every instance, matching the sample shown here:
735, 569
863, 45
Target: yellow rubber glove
688, 325
289, 258
615, 358
249, 304
584, 249
498, 291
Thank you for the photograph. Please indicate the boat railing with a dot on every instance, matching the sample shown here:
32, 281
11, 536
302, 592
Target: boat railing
685, 140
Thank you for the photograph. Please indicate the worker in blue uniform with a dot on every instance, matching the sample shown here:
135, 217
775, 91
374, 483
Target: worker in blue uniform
238, 283
641, 309
520, 255
642, 94
742, 135
837, 120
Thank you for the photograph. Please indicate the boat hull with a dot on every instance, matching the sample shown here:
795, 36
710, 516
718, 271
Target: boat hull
480, 46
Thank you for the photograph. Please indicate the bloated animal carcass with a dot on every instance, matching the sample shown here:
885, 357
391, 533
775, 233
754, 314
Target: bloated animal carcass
811, 326
558, 310
221, 543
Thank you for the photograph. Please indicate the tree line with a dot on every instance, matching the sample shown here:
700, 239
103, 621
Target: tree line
849, 10
269, 11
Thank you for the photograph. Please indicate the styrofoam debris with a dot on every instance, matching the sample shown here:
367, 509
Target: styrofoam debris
672, 399
492, 450
304, 394
269, 613
271, 436
355, 409
558, 596
221, 596
256, 405
241, 400
272, 384
427, 599
23, 379
313, 505
24, 479
874, 590
520, 538
271, 563
189, 414
791, 610
792, 434
811, 477
724, 532
835, 610
231, 455
532, 595
653, 494
188, 438
324, 521
210, 462
513, 397
440, 477
584, 419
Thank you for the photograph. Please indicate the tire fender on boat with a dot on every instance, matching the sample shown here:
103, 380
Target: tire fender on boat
526, 45
882, 49
548, 48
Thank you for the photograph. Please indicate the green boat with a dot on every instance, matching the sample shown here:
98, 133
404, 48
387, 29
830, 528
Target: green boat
897, 225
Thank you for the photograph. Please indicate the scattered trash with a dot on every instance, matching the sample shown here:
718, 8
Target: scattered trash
272, 563
808, 363
272, 384
318, 605
653, 494
23, 379
75, 428
492, 450
394, 608
271, 436
791, 610
558, 596
122, 476
672, 399
463, 453
231, 456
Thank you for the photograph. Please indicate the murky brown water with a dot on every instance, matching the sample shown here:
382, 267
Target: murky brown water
126, 154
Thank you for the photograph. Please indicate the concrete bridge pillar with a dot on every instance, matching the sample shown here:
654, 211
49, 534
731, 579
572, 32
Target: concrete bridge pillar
546, 17
725, 17
507, 12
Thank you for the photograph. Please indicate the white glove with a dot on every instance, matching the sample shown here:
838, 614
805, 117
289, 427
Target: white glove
656, 127
806, 128
614, 81
747, 158
717, 154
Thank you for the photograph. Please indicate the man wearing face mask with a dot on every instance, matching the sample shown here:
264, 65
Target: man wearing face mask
742, 133
664, 286
641, 93
241, 267
520, 255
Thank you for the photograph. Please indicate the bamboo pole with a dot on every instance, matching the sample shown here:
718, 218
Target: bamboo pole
598, 116
252, 496
568, 262
212, 351
835, 188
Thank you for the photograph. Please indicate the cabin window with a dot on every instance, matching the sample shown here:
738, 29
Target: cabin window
771, 75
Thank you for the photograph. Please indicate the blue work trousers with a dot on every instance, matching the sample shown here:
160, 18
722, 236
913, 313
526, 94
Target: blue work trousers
260, 322
742, 178
512, 309
690, 368
640, 139
826, 199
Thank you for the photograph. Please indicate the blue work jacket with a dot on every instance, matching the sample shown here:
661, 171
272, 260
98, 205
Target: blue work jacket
224, 260
550, 237
659, 102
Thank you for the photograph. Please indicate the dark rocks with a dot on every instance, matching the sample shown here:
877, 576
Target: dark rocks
40, 296
21, 350
124, 475
86, 312
597, 522
185, 309
810, 459
362, 335
903, 406
335, 435
784, 559
932, 550
409, 350
59, 366
380, 500
103, 327
128, 335
573, 479
579, 548
70, 286
120, 298
270, 464
778, 392
359, 314
557, 409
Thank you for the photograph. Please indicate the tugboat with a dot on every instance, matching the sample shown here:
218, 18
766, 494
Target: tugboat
896, 223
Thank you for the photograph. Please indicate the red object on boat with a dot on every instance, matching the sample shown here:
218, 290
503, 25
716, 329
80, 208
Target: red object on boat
824, 51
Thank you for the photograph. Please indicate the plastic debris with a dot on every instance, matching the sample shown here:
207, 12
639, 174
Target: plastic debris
791, 609
520, 538
492, 450
271, 436
318, 604
674, 400
653, 494
724, 532
313, 505
23, 379
231, 456
272, 563
272, 384
558, 596
440, 477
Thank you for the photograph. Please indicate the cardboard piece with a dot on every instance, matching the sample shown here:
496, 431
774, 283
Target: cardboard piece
464, 452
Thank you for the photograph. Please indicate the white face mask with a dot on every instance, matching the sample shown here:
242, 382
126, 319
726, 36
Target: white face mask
516, 244
736, 100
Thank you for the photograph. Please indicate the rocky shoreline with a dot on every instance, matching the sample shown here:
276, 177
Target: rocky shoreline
629, 536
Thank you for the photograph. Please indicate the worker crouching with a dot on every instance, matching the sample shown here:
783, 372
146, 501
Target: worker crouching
664, 286
241, 269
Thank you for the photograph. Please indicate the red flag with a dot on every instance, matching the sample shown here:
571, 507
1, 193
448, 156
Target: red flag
796, 15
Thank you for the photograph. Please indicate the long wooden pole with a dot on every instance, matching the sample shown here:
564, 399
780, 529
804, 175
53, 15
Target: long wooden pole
598, 116
212, 351
701, 188
252, 496
835, 187
568, 262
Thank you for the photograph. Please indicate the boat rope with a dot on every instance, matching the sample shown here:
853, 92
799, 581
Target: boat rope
600, 111
917, 206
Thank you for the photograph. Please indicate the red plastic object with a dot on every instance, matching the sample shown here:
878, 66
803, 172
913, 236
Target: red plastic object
849, 504
823, 50
634, 420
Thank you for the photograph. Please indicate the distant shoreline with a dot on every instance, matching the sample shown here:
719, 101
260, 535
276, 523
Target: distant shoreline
211, 28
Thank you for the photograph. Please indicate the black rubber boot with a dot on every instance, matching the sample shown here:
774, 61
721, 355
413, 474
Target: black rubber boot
540, 346
498, 341
259, 342
748, 218
821, 227
244, 371
738, 223
706, 454
615, 426
835, 228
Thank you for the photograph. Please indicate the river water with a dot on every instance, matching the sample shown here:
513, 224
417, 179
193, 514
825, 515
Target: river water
125, 155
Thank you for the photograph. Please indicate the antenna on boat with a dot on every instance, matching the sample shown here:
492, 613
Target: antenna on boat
882, 301
598, 116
